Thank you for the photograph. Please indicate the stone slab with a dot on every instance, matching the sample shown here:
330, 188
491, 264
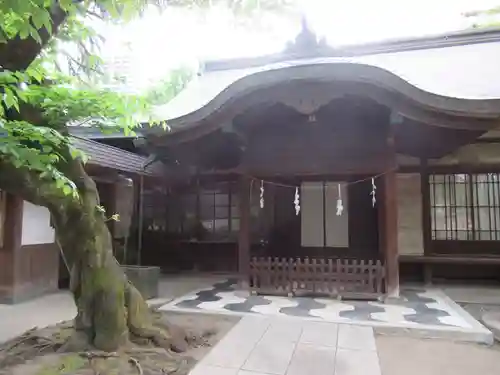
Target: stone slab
244, 372
312, 360
233, 350
270, 357
319, 333
213, 370
283, 330
356, 337
356, 362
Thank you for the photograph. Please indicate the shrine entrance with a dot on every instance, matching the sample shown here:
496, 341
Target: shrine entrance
305, 126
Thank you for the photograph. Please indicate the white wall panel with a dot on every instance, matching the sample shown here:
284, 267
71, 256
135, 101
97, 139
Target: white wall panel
311, 208
36, 225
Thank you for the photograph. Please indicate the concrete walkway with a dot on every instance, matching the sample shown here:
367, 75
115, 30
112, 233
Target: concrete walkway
280, 346
54, 308
40, 312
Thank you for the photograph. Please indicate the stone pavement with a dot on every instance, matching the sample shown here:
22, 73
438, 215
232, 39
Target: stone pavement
279, 346
421, 312
39, 312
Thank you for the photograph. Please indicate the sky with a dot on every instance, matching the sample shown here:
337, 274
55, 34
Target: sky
161, 41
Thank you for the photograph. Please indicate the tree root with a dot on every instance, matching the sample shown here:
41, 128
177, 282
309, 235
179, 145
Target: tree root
98, 354
143, 324
136, 363
28, 345
129, 359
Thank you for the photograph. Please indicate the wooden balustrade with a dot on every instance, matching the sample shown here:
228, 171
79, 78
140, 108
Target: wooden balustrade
346, 278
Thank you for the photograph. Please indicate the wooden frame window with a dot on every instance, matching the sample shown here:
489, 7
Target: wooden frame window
208, 213
465, 206
218, 210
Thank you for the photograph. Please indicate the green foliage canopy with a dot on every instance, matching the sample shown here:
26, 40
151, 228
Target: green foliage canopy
164, 90
37, 102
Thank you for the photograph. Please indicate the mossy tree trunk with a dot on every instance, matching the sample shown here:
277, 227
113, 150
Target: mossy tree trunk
109, 306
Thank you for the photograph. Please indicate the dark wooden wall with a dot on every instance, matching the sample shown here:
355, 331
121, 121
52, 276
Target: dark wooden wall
343, 137
278, 234
37, 270
26, 271
285, 237
346, 138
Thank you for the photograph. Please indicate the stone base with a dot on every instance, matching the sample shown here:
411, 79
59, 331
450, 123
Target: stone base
145, 279
492, 322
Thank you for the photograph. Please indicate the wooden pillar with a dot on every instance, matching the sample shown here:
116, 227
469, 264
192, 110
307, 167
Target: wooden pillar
426, 207
389, 215
426, 218
244, 232
9, 251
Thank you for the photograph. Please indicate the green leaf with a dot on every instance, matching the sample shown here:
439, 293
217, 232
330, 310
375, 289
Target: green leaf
10, 99
35, 35
66, 5
24, 31
8, 77
67, 190
34, 74
38, 19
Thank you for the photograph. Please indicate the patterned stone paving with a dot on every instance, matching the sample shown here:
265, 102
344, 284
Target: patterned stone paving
417, 307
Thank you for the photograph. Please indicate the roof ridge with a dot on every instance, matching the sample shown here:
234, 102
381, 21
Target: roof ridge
450, 39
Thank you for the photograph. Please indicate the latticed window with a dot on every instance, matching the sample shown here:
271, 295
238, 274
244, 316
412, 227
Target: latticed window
154, 209
218, 209
205, 213
465, 206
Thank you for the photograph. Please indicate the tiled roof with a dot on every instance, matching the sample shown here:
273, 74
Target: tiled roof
419, 73
112, 157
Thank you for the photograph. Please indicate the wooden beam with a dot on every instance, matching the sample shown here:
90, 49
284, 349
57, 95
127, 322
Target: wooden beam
487, 140
244, 232
390, 233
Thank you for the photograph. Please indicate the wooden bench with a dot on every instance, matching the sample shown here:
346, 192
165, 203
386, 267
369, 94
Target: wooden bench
429, 260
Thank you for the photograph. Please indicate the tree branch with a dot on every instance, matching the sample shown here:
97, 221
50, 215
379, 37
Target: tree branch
28, 185
18, 54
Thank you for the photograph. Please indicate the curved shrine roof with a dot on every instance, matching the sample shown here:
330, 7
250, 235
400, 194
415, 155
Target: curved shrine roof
455, 74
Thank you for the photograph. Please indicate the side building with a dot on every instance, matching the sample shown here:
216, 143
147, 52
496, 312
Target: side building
30, 259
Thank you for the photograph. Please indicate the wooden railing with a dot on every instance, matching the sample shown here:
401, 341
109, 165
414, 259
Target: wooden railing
347, 278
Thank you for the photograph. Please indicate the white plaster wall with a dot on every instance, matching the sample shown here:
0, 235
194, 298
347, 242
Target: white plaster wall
311, 213
410, 236
407, 161
311, 206
480, 153
36, 225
